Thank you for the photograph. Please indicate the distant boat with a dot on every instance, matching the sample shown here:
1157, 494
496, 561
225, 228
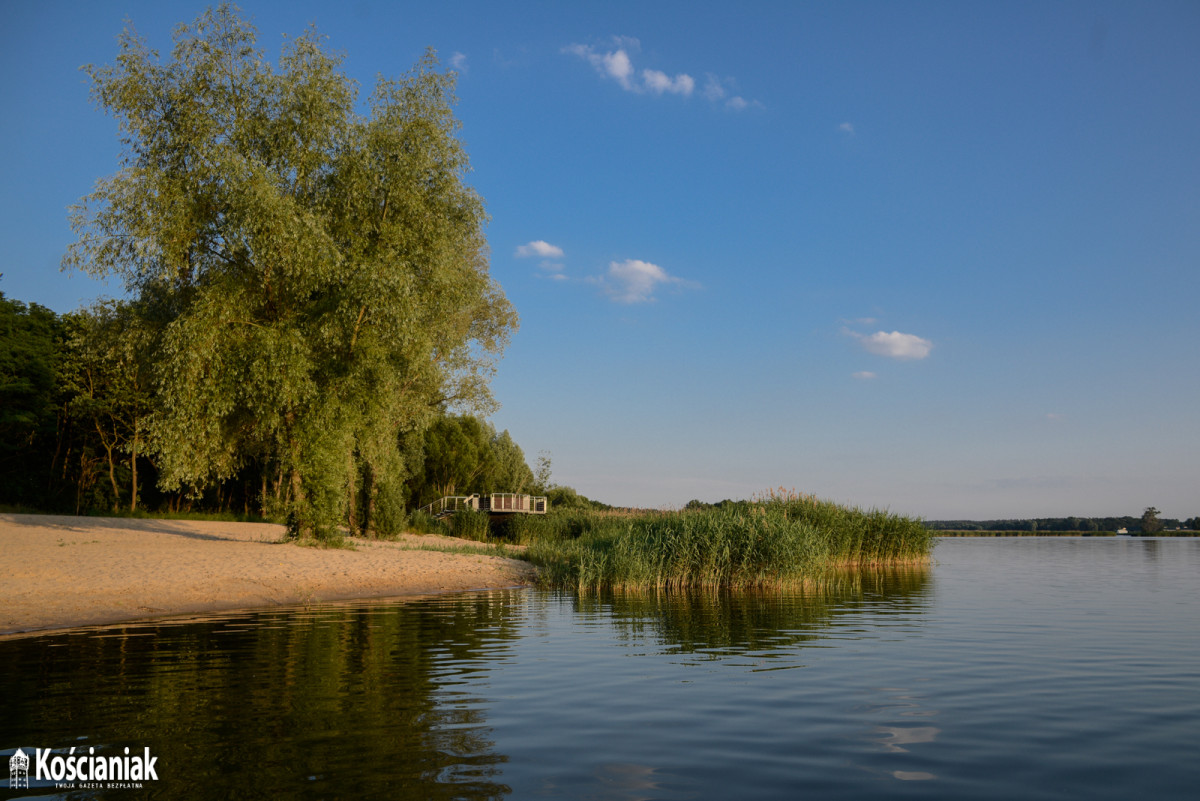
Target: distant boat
1122, 531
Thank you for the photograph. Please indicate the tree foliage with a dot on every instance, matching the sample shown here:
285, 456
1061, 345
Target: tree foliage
315, 279
105, 376
464, 454
1150, 522
29, 364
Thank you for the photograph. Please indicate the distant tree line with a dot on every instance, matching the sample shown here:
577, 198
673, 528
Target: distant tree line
1143, 524
1148, 523
696, 503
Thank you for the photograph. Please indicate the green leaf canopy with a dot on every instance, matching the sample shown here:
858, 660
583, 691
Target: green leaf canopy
318, 275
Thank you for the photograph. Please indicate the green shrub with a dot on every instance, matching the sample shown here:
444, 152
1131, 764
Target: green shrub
468, 524
420, 522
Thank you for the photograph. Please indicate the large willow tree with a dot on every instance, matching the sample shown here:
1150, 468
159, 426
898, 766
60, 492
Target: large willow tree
319, 271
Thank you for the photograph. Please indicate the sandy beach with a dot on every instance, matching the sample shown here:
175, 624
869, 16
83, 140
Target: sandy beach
60, 571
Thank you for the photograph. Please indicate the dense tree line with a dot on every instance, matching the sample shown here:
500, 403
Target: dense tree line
1134, 525
75, 409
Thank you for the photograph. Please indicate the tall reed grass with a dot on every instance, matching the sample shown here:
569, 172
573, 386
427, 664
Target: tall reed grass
469, 525
780, 538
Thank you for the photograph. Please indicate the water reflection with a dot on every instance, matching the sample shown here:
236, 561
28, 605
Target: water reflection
401, 700
716, 623
629, 782
340, 701
894, 738
912, 775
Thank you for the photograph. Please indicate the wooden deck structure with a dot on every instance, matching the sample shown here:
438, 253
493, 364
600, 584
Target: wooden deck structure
493, 503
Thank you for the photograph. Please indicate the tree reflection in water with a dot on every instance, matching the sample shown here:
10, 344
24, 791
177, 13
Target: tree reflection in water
346, 701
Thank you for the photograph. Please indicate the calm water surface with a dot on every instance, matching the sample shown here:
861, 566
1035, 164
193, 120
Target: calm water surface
1014, 668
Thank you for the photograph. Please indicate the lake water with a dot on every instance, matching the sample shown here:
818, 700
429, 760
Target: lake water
1031, 668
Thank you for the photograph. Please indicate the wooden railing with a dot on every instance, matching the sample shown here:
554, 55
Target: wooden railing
504, 502
451, 504
495, 503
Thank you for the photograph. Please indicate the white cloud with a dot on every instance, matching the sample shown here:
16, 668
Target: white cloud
660, 82
847, 127
459, 61
539, 248
616, 63
618, 67
895, 345
864, 375
634, 280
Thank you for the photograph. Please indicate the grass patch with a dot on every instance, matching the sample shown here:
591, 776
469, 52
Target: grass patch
326, 543
472, 549
423, 523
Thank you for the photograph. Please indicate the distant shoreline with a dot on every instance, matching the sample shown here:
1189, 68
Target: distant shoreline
950, 533
61, 571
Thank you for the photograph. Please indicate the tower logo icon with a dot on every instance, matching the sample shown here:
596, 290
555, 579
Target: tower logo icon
18, 770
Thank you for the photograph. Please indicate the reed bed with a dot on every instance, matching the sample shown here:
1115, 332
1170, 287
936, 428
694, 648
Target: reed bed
780, 538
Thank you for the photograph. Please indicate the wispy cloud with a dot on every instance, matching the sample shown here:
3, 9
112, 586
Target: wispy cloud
894, 345
615, 62
864, 375
847, 128
459, 61
722, 91
540, 248
635, 281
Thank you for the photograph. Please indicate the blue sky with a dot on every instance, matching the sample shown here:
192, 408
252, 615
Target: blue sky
935, 257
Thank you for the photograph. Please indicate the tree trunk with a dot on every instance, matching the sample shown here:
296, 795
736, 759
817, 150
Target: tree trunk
370, 493
60, 439
296, 523
133, 468
112, 477
351, 495
79, 486
112, 467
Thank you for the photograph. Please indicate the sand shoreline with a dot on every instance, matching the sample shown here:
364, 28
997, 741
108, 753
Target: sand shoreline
60, 572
